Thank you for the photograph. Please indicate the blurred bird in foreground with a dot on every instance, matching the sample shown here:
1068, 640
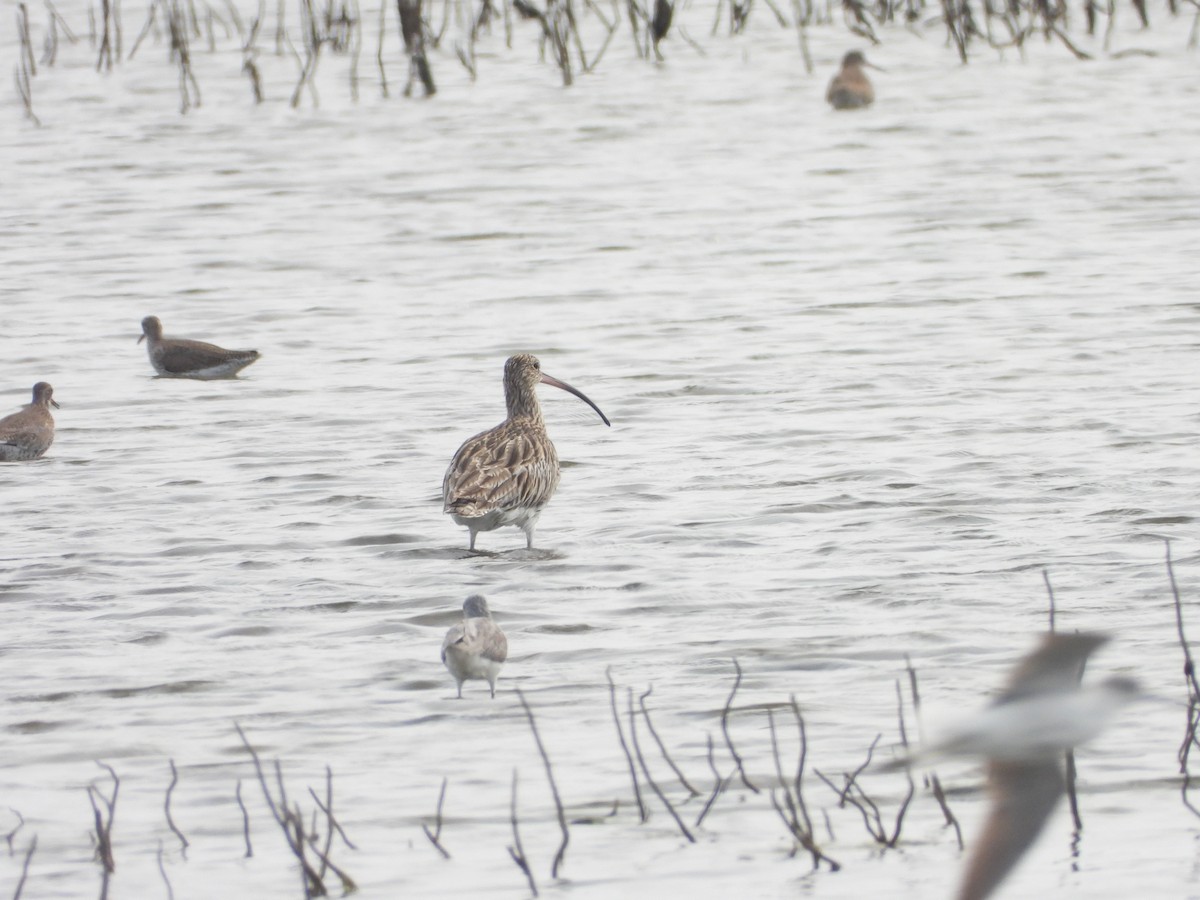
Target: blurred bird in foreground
1023, 734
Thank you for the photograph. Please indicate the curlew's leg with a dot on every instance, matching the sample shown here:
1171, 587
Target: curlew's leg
460, 690
471, 546
528, 529
492, 685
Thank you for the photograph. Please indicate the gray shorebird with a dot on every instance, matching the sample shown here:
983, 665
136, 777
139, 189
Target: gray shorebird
182, 358
476, 648
29, 433
850, 88
1025, 732
506, 475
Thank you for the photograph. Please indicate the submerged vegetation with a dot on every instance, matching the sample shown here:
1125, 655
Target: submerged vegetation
571, 35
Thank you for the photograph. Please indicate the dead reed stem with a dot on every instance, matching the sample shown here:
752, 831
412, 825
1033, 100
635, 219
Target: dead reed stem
183, 841
637, 792
558, 806
103, 812
650, 778
516, 851
25, 868
725, 728
435, 835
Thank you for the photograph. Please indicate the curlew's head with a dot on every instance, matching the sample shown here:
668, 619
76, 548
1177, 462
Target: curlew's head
43, 395
151, 328
522, 374
476, 607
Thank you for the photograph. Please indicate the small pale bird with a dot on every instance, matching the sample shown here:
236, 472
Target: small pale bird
1025, 732
28, 434
182, 358
850, 88
506, 475
476, 648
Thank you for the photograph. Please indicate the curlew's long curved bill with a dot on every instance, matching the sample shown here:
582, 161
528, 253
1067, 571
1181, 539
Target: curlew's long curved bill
547, 379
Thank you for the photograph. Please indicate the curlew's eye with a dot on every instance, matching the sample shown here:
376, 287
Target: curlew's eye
537, 365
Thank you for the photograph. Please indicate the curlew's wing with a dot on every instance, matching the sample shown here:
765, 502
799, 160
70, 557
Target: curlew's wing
507, 467
1023, 796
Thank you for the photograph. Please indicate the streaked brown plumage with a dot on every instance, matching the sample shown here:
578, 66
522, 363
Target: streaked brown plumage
505, 476
475, 648
28, 434
850, 88
182, 358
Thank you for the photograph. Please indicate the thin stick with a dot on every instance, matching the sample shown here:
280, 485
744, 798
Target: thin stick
167, 808
562, 817
516, 851
725, 728
935, 783
435, 835
8, 838
662, 748
162, 870
719, 783
637, 791
649, 778
25, 868
1050, 592
245, 820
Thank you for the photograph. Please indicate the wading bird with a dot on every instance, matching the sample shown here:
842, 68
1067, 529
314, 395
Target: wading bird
850, 88
506, 475
476, 648
28, 434
181, 358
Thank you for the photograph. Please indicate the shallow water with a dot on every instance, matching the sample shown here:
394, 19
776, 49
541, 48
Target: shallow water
869, 376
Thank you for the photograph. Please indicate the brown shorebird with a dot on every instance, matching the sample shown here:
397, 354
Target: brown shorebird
477, 648
181, 358
850, 88
29, 433
1041, 713
506, 475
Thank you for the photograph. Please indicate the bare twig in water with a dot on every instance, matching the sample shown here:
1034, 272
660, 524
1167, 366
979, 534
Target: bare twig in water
1193, 689
8, 838
637, 791
935, 783
183, 841
412, 30
516, 851
25, 868
1050, 594
719, 782
435, 835
562, 817
291, 822
793, 812
103, 812
1071, 773
162, 870
852, 792
245, 819
662, 748
725, 728
646, 770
